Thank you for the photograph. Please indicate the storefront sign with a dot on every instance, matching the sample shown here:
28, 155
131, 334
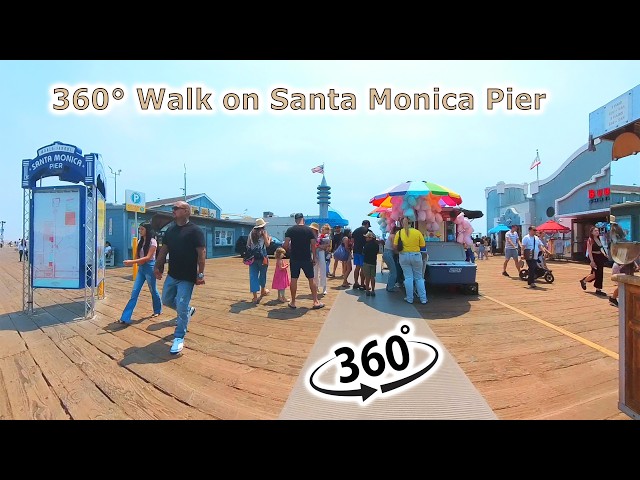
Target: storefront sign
599, 195
616, 113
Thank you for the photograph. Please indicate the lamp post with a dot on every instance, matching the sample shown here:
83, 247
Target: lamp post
2, 222
115, 184
184, 189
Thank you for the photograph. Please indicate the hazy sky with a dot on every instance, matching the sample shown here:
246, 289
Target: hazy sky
261, 160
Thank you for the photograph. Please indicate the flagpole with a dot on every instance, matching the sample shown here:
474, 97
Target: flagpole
537, 177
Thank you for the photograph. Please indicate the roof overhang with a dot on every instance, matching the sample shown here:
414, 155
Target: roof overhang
617, 122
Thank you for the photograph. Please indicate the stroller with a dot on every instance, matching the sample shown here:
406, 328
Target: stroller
542, 271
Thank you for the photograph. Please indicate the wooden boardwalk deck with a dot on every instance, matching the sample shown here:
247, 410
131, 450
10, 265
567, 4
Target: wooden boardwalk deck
549, 353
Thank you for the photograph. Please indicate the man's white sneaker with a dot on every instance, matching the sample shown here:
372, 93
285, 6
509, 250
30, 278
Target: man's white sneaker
192, 311
178, 344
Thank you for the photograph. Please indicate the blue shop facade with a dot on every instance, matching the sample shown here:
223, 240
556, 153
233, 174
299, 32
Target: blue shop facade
578, 195
220, 234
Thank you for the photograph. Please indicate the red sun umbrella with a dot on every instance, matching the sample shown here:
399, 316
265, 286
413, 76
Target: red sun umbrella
551, 226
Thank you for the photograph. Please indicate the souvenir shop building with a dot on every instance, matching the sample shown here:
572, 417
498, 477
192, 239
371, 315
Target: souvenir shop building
578, 195
220, 234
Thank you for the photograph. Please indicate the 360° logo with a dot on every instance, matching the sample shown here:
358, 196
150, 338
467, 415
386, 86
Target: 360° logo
387, 366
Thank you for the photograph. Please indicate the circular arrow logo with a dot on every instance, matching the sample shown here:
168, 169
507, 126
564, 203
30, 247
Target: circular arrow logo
385, 365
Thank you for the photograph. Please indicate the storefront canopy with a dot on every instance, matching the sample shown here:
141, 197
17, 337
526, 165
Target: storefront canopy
499, 228
552, 227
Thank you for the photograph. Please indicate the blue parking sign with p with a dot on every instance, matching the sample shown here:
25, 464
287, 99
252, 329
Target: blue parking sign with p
135, 201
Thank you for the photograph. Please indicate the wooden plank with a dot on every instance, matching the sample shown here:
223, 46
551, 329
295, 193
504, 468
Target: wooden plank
27, 396
80, 397
241, 360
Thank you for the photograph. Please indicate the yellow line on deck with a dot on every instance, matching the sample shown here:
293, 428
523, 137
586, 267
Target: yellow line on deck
556, 328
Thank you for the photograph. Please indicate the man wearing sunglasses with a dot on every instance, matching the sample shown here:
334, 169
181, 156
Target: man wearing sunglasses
185, 244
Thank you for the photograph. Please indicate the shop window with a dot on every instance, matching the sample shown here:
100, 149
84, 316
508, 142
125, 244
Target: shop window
224, 237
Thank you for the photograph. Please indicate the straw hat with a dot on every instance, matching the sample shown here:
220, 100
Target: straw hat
260, 223
612, 219
315, 226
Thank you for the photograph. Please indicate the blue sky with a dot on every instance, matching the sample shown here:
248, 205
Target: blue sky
257, 161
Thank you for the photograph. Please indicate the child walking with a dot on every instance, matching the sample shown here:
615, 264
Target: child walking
281, 279
370, 252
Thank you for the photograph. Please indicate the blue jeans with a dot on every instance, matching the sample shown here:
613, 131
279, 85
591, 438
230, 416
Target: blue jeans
145, 273
176, 294
411, 263
393, 272
257, 276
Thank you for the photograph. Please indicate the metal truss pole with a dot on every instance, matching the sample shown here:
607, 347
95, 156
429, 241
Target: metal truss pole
90, 253
27, 288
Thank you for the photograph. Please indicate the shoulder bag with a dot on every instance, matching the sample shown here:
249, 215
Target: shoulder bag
341, 254
400, 245
529, 252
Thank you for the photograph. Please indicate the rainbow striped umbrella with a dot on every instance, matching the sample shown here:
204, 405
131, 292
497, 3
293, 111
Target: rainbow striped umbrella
418, 189
378, 210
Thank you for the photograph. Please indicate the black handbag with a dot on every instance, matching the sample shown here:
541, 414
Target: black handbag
400, 245
528, 252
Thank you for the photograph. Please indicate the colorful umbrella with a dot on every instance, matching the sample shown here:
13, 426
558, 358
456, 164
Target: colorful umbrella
448, 201
384, 202
378, 210
417, 189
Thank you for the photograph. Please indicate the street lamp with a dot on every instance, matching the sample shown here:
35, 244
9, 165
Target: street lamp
115, 184
2, 222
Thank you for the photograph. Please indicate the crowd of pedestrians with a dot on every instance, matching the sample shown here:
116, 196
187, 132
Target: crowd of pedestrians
308, 250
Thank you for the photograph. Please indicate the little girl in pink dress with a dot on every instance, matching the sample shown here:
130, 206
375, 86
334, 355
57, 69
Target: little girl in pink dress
281, 279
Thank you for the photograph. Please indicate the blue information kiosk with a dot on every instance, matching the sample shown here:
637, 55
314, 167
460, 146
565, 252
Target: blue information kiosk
64, 224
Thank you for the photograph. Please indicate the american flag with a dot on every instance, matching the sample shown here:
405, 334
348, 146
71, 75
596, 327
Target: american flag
318, 169
536, 161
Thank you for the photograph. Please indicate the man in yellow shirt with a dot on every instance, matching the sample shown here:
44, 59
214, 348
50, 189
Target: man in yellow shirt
412, 241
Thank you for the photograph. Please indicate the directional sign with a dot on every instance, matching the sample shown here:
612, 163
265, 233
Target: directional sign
134, 201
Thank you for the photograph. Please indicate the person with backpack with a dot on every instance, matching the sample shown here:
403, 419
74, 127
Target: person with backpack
257, 243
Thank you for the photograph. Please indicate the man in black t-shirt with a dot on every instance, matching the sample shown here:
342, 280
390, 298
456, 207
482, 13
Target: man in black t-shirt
300, 242
358, 258
336, 240
185, 244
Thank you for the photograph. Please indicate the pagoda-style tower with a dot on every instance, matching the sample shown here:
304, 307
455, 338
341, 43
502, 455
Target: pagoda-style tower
323, 198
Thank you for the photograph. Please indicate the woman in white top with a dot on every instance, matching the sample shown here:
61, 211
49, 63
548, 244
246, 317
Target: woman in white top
145, 258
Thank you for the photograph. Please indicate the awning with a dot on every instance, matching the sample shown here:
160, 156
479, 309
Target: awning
499, 228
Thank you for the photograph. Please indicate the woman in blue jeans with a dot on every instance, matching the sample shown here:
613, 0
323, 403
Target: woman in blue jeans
390, 261
145, 258
260, 238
